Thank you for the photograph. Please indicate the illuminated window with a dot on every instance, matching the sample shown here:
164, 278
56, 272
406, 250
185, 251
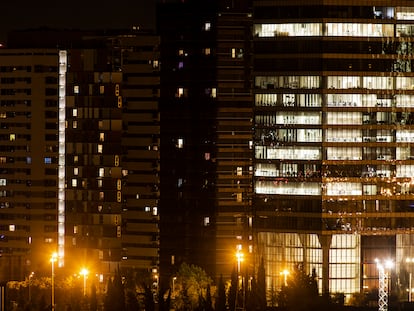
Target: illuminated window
118, 184
180, 52
101, 89
12, 227
100, 148
233, 53
100, 183
3, 115
101, 172
75, 229
29, 240
239, 171
101, 136
147, 209
207, 51
12, 137
29, 160
48, 240
48, 160
155, 211
75, 171
206, 221
214, 92
75, 159
3, 182
101, 195
75, 124
3, 160
74, 182
207, 156
180, 143
76, 89
116, 160
74, 112
207, 26
180, 65
180, 92
155, 64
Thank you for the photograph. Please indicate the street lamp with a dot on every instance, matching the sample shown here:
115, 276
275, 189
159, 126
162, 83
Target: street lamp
30, 278
285, 273
240, 257
410, 287
52, 260
383, 283
84, 272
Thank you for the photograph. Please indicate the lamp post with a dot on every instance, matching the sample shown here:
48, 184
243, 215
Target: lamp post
240, 257
84, 272
410, 287
285, 273
383, 285
52, 260
30, 278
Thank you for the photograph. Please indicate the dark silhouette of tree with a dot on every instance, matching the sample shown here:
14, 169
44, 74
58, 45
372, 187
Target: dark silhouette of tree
261, 286
301, 291
115, 295
131, 301
221, 296
148, 298
233, 290
209, 302
93, 301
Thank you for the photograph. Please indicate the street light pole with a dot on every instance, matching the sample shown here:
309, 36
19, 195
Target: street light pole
410, 287
52, 260
239, 256
84, 272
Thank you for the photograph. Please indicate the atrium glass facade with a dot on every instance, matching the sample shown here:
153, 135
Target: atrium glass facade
333, 177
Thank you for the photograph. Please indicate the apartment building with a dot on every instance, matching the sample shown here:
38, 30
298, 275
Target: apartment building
89, 163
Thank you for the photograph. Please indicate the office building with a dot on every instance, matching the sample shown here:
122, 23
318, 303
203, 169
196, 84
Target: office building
333, 133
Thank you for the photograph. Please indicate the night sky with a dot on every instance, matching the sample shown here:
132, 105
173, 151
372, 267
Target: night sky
75, 14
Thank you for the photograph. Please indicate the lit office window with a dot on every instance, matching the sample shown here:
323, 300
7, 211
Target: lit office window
3, 182
155, 211
101, 136
214, 92
239, 171
75, 124
100, 148
180, 92
48, 160
4, 160
101, 172
75, 229
101, 89
12, 137
76, 89
207, 26
12, 228
74, 112
75, 159
100, 183
207, 51
74, 182
75, 171
206, 221
180, 143
147, 209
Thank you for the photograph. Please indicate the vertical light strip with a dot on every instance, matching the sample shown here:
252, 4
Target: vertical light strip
61, 170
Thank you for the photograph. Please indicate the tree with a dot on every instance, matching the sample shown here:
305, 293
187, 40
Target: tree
261, 286
233, 290
191, 285
301, 291
221, 296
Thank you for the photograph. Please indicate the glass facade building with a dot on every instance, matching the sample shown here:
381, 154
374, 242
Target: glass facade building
333, 102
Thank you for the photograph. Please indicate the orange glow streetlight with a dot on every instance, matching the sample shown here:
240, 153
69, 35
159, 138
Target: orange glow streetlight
285, 274
52, 260
84, 272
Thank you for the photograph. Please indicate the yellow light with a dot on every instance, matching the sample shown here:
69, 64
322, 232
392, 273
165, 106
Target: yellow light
84, 272
54, 257
285, 272
239, 256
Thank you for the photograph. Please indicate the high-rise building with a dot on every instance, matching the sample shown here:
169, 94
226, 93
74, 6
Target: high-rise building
80, 165
312, 137
333, 133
